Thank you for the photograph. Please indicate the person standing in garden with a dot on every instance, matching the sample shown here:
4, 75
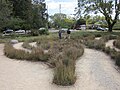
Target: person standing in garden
60, 34
68, 33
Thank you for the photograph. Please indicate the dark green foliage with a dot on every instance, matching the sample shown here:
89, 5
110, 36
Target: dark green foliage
98, 35
23, 14
39, 15
5, 13
80, 22
22, 9
43, 31
34, 32
15, 23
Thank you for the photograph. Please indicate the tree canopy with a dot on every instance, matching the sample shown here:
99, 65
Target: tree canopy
22, 14
60, 20
5, 13
109, 8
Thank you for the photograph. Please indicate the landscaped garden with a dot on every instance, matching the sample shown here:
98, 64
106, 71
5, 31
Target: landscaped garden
61, 54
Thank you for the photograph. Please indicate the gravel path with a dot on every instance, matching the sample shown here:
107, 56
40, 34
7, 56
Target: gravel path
95, 71
110, 44
34, 44
19, 46
23, 75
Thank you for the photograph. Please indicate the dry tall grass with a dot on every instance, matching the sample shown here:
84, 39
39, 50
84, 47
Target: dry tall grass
116, 43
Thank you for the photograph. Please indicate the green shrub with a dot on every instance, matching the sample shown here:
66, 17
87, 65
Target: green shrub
43, 31
112, 37
98, 35
34, 32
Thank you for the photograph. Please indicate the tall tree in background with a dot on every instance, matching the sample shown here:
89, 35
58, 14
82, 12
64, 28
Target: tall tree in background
39, 13
22, 9
23, 14
57, 19
5, 13
107, 7
60, 20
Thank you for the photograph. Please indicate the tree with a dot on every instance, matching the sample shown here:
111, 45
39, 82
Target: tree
107, 7
79, 22
60, 20
57, 19
87, 19
5, 13
39, 14
15, 23
22, 9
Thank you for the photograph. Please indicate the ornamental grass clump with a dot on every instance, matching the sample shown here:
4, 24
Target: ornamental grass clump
116, 43
38, 54
96, 44
27, 45
64, 73
12, 53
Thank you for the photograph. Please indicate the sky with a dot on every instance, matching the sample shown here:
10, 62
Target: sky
67, 6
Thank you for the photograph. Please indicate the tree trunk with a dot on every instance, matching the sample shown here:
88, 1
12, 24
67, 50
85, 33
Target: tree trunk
110, 28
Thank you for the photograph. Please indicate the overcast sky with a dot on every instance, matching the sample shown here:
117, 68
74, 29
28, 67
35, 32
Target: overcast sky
67, 6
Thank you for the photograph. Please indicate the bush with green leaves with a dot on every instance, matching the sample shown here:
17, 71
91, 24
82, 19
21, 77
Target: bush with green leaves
34, 32
43, 31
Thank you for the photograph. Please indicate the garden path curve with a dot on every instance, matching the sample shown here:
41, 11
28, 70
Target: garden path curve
95, 71
110, 44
